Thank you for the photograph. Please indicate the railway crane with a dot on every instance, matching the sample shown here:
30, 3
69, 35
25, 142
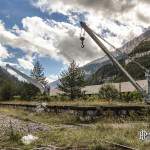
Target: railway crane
94, 36
41, 87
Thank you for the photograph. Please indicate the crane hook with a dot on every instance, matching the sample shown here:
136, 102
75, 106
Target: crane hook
82, 38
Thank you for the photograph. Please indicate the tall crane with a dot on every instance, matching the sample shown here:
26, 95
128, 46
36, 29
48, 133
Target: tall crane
114, 60
40, 86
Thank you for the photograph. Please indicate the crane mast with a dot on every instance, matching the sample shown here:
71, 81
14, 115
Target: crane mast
29, 79
115, 61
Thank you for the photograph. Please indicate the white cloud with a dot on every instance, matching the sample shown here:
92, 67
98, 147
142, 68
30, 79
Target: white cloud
59, 40
3, 52
3, 55
74, 5
51, 6
109, 9
25, 63
3, 63
52, 78
132, 16
143, 12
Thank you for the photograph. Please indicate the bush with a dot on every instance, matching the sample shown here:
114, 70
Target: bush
6, 91
17, 97
131, 96
108, 92
92, 98
28, 91
71, 81
61, 98
42, 97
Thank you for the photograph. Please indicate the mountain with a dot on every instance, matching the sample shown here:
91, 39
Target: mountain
103, 69
53, 84
93, 66
127, 48
12, 88
9, 85
130, 45
6, 76
109, 72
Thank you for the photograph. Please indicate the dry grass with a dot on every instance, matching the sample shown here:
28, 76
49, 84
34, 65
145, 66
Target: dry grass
65, 130
96, 102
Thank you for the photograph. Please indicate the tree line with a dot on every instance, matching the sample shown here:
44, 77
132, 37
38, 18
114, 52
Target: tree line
70, 82
12, 88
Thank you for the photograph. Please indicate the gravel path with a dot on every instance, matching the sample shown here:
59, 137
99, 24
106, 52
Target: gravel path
20, 125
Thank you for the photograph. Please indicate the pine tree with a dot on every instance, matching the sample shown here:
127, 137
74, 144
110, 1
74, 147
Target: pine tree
71, 81
28, 91
38, 73
7, 91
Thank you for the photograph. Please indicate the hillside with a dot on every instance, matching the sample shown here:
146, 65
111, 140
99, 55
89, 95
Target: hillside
144, 46
9, 81
10, 86
111, 73
5, 76
128, 48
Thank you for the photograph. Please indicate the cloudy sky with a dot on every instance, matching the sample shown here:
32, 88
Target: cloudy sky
49, 30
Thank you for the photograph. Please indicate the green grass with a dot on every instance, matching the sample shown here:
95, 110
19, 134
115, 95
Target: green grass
92, 135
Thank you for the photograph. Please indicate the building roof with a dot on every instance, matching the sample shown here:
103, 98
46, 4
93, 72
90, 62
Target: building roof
122, 87
94, 89
55, 92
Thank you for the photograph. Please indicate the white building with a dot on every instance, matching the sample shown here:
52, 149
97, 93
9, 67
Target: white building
121, 87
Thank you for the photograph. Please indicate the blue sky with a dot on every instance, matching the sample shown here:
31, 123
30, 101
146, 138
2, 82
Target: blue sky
12, 12
49, 30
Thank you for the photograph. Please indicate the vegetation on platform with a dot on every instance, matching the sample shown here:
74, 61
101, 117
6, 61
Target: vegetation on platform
71, 81
38, 73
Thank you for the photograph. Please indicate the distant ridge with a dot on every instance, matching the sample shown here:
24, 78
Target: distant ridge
92, 67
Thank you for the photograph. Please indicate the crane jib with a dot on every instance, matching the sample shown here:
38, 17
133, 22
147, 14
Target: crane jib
112, 58
29, 79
